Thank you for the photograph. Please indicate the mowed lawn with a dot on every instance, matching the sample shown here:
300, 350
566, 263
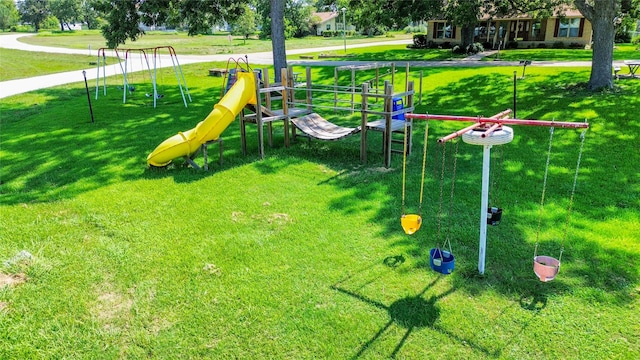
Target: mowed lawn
301, 255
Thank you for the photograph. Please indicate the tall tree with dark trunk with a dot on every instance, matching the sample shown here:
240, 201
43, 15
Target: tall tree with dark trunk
603, 15
277, 36
34, 11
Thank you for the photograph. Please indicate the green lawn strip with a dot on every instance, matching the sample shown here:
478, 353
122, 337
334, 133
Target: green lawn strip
194, 45
18, 64
383, 53
620, 52
285, 257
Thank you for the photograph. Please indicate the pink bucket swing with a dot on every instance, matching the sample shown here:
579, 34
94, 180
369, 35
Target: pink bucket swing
546, 267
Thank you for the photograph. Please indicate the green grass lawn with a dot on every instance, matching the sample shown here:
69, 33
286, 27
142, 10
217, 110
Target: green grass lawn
387, 53
18, 64
196, 45
301, 255
620, 52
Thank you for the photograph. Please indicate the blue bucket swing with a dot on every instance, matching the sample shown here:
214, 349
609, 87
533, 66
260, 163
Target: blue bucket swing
440, 259
412, 222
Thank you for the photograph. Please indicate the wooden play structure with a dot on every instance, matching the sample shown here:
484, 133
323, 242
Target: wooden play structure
300, 103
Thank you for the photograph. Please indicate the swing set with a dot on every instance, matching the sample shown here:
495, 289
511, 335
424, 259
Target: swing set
130, 66
486, 132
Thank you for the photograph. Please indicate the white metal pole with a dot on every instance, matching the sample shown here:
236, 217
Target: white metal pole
484, 203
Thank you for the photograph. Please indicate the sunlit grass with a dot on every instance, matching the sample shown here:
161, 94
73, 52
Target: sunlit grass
301, 255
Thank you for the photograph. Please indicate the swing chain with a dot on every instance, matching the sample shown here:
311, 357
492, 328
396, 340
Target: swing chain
404, 166
495, 184
444, 151
424, 160
451, 196
573, 191
544, 189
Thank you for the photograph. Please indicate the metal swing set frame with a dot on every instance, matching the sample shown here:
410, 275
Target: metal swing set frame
486, 132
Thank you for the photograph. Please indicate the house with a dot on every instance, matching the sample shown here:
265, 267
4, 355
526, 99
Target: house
523, 31
329, 21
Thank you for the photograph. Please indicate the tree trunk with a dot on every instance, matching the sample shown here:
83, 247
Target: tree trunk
602, 61
467, 32
277, 37
601, 14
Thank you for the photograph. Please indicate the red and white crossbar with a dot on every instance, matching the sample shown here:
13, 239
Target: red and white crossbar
480, 119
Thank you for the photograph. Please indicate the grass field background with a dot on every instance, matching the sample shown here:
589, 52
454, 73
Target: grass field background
301, 255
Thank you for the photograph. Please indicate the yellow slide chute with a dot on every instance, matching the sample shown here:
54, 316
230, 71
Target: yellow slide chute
243, 92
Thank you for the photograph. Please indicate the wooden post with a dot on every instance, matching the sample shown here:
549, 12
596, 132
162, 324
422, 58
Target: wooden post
259, 115
406, 79
353, 88
285, 107
243, 133
309, 92
388, 106
267, 102
335, 89
285, 101
363, 124
410, 100
393, 73
377, 82
420, 89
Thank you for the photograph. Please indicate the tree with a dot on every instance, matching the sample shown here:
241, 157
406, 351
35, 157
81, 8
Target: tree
9, 15
88, 14
34, 12
67, 11
278, 47
604, 15
245, 25
124, 16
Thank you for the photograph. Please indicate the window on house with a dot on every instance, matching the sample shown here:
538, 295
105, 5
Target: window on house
443, 31
569, 28
328, 26
536, 29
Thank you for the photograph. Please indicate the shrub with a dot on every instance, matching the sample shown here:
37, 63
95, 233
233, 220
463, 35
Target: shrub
419, 41
542, 46
511, 45
558, 45
636, 40
574, 45
621, 38
474, 48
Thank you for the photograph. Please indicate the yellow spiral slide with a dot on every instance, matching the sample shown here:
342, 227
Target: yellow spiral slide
243, 92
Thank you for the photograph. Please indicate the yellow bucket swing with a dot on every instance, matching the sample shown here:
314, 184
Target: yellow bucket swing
412, 222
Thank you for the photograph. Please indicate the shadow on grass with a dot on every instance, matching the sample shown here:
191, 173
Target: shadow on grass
410, 313
51, 152
608, 271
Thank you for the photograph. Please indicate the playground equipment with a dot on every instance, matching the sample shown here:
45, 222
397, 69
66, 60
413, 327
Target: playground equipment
440, 259
488, 132
411, 222
547, 267
184, 144
131, 66
390, 110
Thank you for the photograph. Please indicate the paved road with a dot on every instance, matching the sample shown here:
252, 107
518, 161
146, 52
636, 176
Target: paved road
19, 86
